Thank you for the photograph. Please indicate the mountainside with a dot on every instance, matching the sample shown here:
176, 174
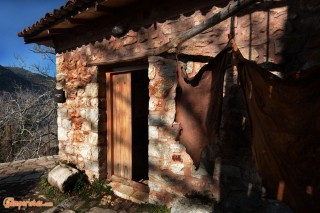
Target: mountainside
13, 77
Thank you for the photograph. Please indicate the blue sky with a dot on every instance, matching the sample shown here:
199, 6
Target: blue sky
14, 17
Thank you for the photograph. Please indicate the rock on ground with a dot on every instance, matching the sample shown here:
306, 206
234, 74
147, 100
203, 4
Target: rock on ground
62, 177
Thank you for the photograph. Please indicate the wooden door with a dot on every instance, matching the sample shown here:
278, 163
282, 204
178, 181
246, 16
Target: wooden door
119, 123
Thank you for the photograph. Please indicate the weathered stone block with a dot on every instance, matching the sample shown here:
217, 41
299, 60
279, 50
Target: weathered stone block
169, 69
129, 40
153, 132
151, 71
92, 115
66, 124
153, 102
160, 88
177, 148
69, 149
62, 134
168, 118
154, 186
155, 120
123, 191
62, 112
92, 165
250, 53
198, 173
63, 177
92, 138
84, 151
86, 126
155, 149
92, 90
177, 168
62, 155
170, 105
95, 153
94, 102
59, 121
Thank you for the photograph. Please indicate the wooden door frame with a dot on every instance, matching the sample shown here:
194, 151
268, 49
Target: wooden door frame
109, 119
109, 104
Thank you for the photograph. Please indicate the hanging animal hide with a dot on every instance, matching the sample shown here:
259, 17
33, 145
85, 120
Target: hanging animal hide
285, 119
285, 122
199, 102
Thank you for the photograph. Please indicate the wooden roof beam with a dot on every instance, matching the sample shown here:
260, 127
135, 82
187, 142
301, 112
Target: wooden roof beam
36, 40
54, 31
79, 21
104, 9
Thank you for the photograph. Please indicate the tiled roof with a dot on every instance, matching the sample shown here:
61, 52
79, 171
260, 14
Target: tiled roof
72, 7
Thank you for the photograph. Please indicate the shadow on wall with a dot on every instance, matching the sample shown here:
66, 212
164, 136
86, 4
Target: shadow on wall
282, 36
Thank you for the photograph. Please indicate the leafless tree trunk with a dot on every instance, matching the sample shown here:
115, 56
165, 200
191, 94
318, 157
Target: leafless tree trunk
25, 118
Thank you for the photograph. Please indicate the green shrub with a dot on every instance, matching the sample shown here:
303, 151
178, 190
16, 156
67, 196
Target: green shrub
51, 192
82, 188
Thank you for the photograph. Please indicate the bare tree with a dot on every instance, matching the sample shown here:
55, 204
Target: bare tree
28, 127
25, 118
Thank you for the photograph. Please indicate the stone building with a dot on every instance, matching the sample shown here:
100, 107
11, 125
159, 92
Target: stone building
119, 119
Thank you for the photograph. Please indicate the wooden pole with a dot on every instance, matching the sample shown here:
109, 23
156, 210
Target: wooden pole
225, 13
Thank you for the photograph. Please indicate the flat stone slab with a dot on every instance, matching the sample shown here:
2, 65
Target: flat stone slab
139, 197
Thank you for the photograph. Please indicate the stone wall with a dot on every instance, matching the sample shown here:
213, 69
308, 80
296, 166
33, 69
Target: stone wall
258, 32
171, 170
81, 119
268, 33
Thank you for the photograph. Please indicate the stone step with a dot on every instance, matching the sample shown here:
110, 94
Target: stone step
129, 193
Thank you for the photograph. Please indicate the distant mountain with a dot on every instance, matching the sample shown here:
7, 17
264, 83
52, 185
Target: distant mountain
13, 77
